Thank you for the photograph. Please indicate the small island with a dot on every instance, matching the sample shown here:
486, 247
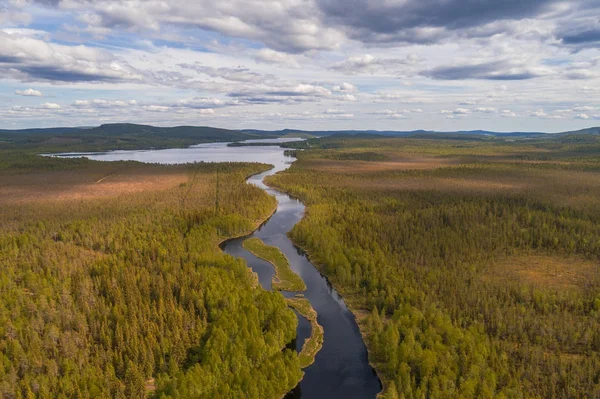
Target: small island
284, 279
313, 344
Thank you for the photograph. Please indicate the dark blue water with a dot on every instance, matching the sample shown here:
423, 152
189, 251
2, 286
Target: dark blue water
341, 369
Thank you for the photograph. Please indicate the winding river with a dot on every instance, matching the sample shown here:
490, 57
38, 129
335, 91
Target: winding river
341, 369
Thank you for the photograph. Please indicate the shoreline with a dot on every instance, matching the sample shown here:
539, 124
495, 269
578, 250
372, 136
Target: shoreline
345, 296
318, 267
257, 224
348, 301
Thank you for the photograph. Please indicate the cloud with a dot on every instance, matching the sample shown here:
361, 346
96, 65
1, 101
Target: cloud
29, 93
497, 70
100, 103
50, 106
28, 59
453, 114
388, 113
269, 56
292, 26
368, 64
238, 74
284, 94
246, 61
10, 16
422, 21
201, 105
486, 110
542, 114
581, 33
348, 97
345, 88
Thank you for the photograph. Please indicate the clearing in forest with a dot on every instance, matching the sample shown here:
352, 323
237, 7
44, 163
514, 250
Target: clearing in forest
544, 271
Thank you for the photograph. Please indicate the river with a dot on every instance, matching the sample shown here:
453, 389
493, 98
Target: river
341, 369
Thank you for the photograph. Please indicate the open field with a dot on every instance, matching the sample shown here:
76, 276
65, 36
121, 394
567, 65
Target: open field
544, 272
104, 182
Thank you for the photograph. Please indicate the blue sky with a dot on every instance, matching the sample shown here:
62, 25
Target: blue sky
312, 64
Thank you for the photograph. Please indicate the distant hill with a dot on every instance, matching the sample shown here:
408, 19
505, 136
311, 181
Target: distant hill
119, 136
589, 130
394, 133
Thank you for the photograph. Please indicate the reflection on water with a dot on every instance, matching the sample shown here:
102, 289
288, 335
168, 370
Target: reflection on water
341, 369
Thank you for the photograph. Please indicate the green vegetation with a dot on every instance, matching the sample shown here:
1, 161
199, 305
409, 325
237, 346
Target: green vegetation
358, 156
284, 279
312, 345
113, 283
471, 265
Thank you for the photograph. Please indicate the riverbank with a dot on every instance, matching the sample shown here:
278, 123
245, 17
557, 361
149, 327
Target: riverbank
359, 314
313, 344
348, 297
342, 368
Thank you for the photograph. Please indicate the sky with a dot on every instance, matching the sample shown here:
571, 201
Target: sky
445, 65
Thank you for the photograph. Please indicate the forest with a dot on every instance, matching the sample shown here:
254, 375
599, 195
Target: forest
471, 264
113, 283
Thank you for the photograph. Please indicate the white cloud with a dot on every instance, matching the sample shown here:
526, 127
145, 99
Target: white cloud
288, 25
50, 106
369, 64
270, 56
486, 110
540, 113
349, 97
345, 88
29, 59
29, 93
252, 63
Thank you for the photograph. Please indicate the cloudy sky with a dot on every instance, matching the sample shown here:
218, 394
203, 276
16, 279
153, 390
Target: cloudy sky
504, 65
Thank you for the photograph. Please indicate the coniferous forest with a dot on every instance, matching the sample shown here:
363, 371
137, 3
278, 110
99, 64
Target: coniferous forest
472, 264
113, 284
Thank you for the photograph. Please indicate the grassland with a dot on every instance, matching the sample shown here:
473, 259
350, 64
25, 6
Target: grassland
284, 279
543, 272
313, 344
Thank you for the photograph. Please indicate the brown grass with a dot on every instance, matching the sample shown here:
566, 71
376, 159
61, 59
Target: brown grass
544, 271
450, 184
575, 189
83, 185
395, 163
